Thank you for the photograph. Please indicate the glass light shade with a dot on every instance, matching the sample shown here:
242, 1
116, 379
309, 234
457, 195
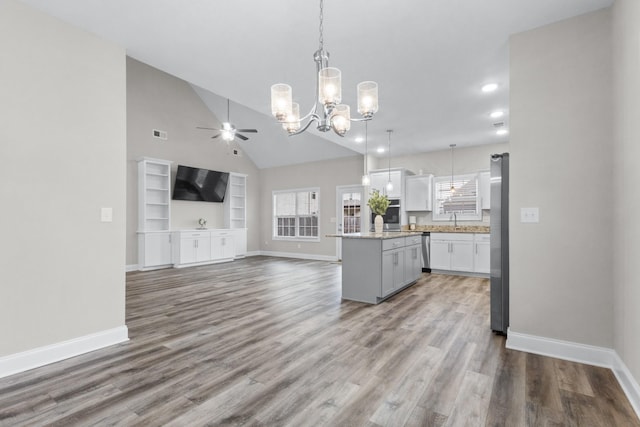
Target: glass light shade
281, 101
292, 123
227, 135
389, 186
367, 99
341, 119
330, 86
366, 180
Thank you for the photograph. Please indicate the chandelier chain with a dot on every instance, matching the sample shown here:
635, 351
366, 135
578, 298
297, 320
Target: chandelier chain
321, 26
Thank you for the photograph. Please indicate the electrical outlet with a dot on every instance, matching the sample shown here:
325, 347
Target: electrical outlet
530, 215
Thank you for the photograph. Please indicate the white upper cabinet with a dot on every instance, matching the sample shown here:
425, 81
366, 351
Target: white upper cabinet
485, 189
419, 193
380, 179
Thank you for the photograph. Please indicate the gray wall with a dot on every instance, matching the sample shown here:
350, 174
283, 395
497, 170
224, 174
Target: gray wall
157, 100
626, 56
63, 146
561, 162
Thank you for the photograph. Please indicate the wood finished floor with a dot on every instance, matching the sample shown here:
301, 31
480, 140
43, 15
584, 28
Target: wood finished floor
268, 342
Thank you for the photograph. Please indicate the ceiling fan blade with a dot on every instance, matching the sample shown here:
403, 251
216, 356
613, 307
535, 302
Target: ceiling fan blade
215, 136
247, 130
242, 137
198, 127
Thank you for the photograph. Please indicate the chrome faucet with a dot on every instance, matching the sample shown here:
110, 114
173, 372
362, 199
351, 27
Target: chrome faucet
455, 220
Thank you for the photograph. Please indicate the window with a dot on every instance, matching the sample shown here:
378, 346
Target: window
464, 202
295, 214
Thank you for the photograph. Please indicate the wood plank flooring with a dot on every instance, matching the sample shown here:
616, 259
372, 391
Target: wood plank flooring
268, 342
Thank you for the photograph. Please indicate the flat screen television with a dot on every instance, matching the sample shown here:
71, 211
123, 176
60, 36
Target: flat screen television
201, 185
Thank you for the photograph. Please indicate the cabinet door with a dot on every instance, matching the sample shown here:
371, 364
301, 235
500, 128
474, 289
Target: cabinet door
398, 269
379, 182
188, 251
482, 262
412, 266
240, 242
396, 181
157, 249
418, 193
462, 256
203, 249
388, 266
440, 256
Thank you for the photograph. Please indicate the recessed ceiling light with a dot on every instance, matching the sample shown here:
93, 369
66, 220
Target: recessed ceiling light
380, 149
359, 139
489, 87
496, 114
502, 132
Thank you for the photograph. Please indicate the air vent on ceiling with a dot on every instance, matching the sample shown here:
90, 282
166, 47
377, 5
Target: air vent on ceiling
160, 134
498, 124
236, 152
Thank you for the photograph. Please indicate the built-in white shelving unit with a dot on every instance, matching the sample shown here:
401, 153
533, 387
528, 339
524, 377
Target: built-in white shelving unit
235, 211
154, 213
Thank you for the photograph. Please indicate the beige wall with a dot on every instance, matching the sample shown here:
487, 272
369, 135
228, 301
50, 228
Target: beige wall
326, 175
63, 148
157, 100
561, 162
626, 57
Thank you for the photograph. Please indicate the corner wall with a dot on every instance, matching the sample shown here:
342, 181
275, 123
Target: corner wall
626, 250
561, 161
63, 150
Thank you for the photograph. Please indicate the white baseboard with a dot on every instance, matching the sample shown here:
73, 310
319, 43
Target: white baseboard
581, 353
131, 267
299, 256
253, 253
20, 362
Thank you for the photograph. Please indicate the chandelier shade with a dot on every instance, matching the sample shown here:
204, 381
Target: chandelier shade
292, 123
281, 101
341, 119
367, 99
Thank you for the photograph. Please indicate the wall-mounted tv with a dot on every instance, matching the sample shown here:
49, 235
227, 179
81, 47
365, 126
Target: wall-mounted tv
200, 185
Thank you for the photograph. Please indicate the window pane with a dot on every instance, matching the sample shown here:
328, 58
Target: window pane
285, 204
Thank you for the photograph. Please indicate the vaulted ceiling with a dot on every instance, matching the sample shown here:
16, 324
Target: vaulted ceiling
429, 57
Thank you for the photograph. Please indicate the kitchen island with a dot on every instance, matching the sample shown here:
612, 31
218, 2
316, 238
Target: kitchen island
376, 266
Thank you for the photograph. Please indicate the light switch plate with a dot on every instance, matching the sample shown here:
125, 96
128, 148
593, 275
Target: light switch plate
106, 214
530, 215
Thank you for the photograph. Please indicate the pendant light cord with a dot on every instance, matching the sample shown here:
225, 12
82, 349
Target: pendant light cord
389, 154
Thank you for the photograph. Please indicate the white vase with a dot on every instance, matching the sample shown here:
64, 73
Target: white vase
378, 223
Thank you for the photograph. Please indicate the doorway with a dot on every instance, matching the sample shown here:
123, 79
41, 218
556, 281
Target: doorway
351, 212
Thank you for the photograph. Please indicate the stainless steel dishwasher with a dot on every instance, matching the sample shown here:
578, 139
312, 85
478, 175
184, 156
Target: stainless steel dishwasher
426, 258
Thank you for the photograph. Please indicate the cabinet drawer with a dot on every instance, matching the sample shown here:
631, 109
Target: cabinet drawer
412, 240
396, 243
468, 237
193, 234
483, 238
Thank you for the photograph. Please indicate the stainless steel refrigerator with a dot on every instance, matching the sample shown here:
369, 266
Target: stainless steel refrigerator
499, 222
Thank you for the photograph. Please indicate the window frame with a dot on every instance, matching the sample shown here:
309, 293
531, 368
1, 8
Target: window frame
297, 217
437, 216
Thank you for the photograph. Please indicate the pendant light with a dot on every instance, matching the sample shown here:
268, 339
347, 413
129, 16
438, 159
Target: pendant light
389, 183
366, 180
453, 189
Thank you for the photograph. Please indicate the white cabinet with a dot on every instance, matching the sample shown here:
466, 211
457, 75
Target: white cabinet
379, 180
193, 247
412, 259
392, 270
154, 213
482, 250
419, 193
154, 250
452, 251
462, 252
222, 245
484, 186
235, 212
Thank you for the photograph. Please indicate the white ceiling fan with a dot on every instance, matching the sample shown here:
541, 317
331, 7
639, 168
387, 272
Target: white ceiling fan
229, 131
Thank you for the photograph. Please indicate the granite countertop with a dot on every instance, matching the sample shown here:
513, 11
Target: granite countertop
372, 235
450, 228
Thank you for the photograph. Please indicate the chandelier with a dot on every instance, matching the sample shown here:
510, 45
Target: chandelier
327, 112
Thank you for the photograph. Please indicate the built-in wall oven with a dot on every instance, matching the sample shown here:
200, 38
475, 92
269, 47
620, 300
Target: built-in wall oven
391, 218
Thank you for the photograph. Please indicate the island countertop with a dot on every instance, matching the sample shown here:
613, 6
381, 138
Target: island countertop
372, 235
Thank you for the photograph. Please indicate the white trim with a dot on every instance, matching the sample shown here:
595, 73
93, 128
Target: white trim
253, 253
34, 358
581, 353
296, 255
627, 382
131, 267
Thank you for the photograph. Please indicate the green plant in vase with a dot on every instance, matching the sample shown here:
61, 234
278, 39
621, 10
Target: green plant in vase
378, 203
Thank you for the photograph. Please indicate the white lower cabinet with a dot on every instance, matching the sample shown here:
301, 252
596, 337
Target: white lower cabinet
392, 270
154, 250
461, 252
239, 241
482, 253
199, 247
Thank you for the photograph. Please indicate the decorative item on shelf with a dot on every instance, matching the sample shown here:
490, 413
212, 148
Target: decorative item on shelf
412, 222
203, 224
332, 115
378, 204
